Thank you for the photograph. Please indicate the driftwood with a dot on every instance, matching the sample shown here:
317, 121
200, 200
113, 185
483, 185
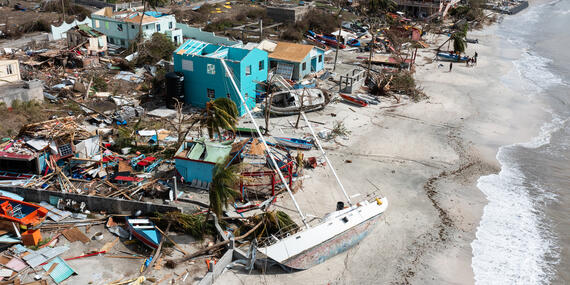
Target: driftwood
173, 263
170, 239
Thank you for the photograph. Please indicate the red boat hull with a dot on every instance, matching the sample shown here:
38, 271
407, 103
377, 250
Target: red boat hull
354, 100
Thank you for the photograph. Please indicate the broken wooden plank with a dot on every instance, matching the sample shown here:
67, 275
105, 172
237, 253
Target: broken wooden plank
74, 234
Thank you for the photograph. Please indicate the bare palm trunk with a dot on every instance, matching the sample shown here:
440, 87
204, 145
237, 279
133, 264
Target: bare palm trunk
140, 36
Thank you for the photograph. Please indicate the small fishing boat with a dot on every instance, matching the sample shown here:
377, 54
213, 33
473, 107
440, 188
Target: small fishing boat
329, 40
368, 99
287, 103
451, 57
145, 231
21, 212
249, 132
353, 100
294, 143
353, 43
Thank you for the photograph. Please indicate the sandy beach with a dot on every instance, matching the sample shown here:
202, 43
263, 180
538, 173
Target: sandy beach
426, 157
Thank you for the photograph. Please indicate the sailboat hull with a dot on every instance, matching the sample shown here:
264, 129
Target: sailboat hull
330, 248
336, 233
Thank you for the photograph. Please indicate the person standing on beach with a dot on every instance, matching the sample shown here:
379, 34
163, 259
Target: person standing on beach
450, 66
475, 59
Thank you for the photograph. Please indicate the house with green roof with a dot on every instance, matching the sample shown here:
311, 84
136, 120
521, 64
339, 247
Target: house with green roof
195, 161
83, 37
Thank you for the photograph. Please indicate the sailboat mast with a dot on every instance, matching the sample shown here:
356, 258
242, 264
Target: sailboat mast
327, 159
264, 143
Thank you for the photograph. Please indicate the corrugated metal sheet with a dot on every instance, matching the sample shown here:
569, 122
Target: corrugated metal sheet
16, 264
61, 271
38, 257
54, 213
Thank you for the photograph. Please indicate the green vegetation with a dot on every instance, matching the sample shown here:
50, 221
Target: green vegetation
316, 20
191, 224
99, 84
275, 223
339, 129
220, 114
222, 188
158, 47
459, 42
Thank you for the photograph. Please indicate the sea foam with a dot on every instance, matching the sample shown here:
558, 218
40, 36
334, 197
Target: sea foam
513, 243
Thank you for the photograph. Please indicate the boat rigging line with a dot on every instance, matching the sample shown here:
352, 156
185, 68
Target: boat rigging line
267, 149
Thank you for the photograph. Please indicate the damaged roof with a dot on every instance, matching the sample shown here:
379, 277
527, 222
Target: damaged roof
290, 51
88, 31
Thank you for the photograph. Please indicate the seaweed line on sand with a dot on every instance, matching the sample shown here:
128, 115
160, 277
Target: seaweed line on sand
441, 232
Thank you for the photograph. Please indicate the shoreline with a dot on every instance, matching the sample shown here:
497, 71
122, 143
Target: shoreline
426, 157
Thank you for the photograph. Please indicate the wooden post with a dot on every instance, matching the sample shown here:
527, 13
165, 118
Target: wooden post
260, 29
371, 47
301, 110
337, 43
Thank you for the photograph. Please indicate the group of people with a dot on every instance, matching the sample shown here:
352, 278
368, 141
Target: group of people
472, 61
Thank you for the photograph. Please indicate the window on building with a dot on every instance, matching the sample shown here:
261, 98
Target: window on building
158, 27
211, 69
122, 42
132, 26
187, 65
261, 64
304, 65
9, 69
248, 70
96, 23
120, 27
211, 93
111, 40
321, 58
170, 25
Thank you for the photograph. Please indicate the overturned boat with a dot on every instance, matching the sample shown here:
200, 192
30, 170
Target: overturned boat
287, 103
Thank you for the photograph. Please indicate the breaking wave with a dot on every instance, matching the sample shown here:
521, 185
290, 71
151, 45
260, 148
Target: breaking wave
514, 243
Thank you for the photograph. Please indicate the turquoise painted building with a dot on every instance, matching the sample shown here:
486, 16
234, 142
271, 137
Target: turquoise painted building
295, 61
205, 78
121, 28
195, 161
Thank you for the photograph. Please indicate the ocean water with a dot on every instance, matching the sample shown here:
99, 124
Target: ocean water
524, 233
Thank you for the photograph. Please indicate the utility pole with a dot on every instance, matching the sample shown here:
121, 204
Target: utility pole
63, 10
371, 47
337, 40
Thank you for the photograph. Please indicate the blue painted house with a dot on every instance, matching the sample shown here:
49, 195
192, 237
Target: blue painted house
205, 78
295, 61
121, 28
195, 161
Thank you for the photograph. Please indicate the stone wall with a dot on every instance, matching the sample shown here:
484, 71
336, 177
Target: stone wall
22, 91
287, 14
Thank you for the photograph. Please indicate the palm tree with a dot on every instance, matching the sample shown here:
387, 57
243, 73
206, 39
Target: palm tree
153, 4
220, 114
221, 190
459, 42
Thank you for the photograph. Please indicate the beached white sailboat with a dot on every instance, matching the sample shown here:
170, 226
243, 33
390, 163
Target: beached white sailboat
334, 233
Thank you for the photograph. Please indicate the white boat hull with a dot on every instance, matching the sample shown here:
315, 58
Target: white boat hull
338, 232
